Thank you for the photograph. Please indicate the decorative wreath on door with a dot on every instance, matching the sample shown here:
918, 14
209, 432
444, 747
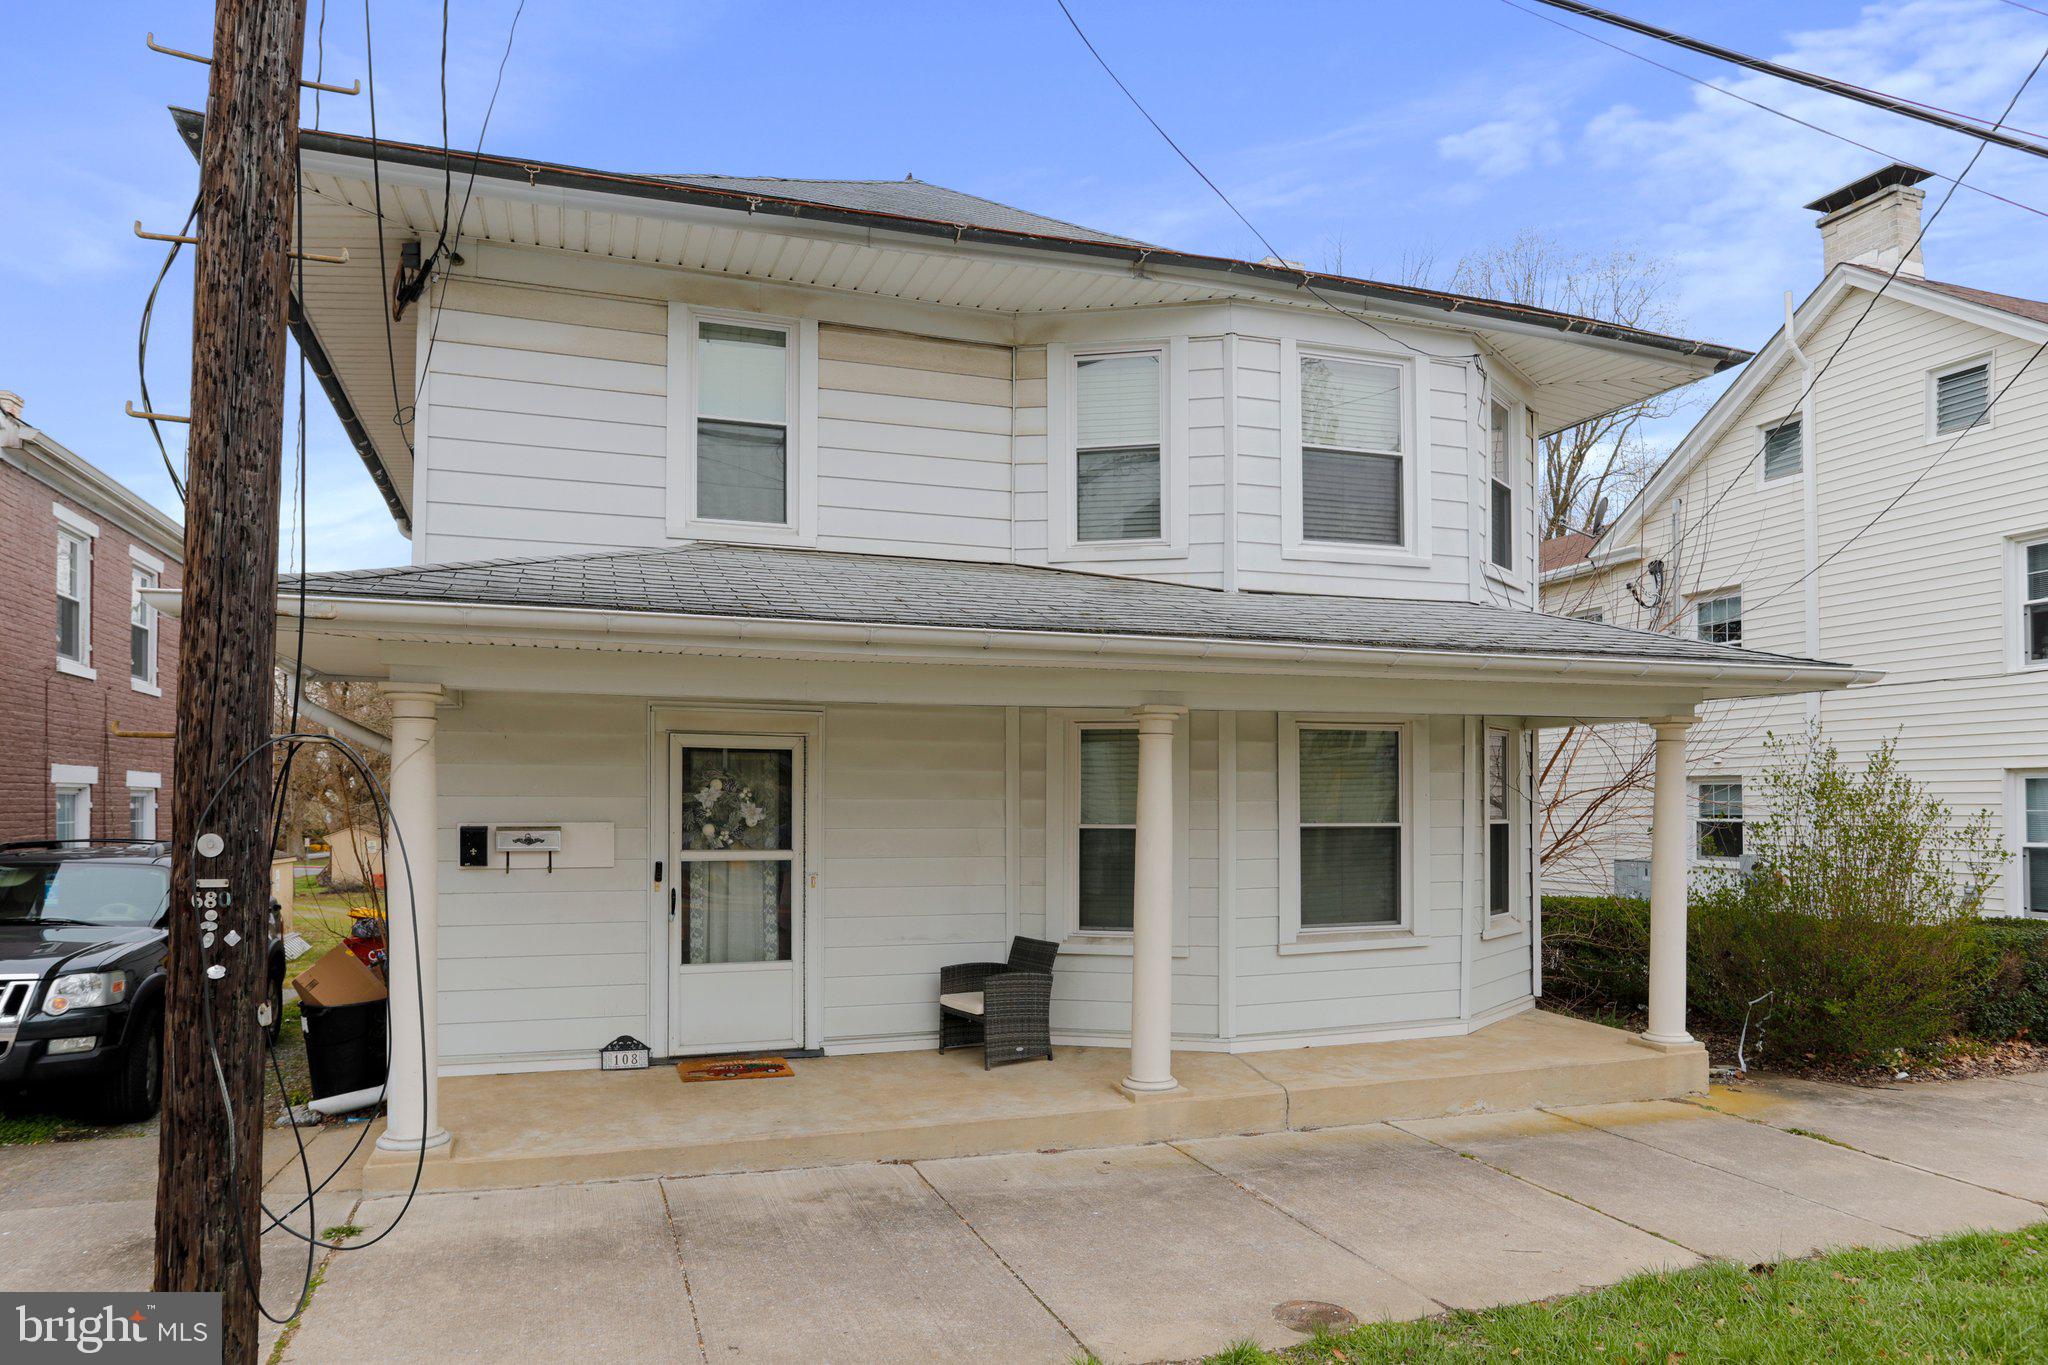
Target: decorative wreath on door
724, 810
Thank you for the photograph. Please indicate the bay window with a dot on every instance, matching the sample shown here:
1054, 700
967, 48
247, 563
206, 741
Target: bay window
1119, 470
1501, 494
1107, 830
1353, 452
1500, 830
1345, 854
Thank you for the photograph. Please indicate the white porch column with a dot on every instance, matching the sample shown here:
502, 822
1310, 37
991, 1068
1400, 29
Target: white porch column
1152, 911
413, 1112
1668, 830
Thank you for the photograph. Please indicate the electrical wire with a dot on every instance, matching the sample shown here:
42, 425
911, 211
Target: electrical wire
142, 350
399, 409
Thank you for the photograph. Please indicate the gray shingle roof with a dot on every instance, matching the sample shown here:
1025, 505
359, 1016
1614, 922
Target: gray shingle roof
908, 198
754, 582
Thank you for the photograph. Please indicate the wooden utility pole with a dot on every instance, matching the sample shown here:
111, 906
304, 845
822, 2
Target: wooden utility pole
207, 1233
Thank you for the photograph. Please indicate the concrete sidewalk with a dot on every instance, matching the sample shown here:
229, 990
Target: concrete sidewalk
1159, 1252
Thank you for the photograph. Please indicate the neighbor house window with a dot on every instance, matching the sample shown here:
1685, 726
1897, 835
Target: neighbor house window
1500, 836
1353, 452
1720, 619
1592, 614
2034, 846
141, 629
74, 597
1118, 469
142, 813
1961, 398
743, 422
1108, 829
1350, 828
73, 816
2034, 603
1502, 497
1718, 828
1782, 450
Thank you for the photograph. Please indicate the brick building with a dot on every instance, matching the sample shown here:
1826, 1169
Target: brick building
88, 672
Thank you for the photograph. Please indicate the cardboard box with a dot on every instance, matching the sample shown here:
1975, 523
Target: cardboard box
338, 978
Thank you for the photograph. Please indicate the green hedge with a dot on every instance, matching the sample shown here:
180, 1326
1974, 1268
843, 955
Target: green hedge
1844, 991
2011, 996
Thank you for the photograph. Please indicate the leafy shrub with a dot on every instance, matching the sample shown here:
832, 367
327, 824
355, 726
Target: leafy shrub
1860, 916
2010, 999
1596, 952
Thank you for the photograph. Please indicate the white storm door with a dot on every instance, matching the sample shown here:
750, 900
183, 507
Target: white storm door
736, 897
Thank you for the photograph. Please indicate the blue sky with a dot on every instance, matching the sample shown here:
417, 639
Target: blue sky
1380, 131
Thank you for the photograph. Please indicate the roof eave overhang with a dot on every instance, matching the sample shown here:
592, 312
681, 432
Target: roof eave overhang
515, 624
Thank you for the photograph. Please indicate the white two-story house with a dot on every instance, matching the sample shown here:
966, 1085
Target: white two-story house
1873, 487
817, 583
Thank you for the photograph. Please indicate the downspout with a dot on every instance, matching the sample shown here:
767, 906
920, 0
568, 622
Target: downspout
1809, 499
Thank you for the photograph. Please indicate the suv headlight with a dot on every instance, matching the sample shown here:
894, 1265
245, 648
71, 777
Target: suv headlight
84, 990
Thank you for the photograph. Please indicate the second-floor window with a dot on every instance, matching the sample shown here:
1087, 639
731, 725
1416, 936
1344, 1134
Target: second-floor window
2034, 603
1782, 450
1118, 471
743, 422
1719, 619
74, 597
1502, 495
1352, 453
141, 630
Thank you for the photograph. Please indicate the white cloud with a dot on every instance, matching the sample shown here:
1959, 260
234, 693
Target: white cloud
1504, 147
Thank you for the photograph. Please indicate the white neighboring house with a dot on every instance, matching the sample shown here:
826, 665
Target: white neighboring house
1770, 503
817, 583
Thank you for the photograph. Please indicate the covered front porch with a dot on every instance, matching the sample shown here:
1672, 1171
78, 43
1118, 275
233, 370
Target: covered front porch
543, 1127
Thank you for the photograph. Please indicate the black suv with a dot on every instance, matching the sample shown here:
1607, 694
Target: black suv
83, 936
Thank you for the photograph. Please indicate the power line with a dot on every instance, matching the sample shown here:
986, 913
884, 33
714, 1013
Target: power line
1827, 84
1759, 104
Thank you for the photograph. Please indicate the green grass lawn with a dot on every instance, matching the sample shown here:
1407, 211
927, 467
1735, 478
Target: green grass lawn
1981, 1296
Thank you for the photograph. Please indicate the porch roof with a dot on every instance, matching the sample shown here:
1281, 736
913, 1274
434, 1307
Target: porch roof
809, 587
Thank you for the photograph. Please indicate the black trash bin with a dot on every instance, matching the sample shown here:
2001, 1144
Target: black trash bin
345, 1046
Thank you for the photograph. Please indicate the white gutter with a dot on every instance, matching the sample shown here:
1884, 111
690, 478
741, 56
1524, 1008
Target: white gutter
1051, 648
1809, 499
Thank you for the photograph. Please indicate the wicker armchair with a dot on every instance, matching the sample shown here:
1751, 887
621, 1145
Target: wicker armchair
1005, 1008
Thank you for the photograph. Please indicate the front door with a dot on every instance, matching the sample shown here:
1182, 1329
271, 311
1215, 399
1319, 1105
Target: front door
736, 899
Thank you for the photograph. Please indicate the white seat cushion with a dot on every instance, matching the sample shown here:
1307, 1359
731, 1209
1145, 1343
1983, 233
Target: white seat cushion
967, 1002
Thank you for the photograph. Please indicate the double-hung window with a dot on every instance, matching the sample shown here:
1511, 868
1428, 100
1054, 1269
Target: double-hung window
1119, 470
2034, 603
142, 813
1501, 496
1962, 398
1783, 450
74, 597
1353, 452
1349, 834
141, 629
1107, 820
1718, 828
2034, 845
1500, 830
1719, 619
743, 422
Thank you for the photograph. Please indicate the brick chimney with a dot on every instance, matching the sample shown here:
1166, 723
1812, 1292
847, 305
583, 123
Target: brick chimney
1874, 221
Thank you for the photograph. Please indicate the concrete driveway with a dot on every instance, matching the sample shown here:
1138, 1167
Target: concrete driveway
1161, 1252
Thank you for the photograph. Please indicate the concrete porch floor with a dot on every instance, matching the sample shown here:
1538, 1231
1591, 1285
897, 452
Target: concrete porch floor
546, 1127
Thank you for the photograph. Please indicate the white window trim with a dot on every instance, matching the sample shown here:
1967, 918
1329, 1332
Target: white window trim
153, 622
1063, 545
150, 792
1414, 759
1989, 360
1693, 817
1520, 814
1519, 425
1063, 839
73, 777
1763, 434
72, 527
1701, 599
2016, 603
144, 560
139, 781
802, 448
2016, 837
1414, 461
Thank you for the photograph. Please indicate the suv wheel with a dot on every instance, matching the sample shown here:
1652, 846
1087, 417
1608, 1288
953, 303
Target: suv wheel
135, 1087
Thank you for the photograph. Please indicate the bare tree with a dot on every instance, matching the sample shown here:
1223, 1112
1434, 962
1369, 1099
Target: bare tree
325, 792
1603, 462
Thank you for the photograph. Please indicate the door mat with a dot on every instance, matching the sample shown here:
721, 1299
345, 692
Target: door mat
733, 1069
